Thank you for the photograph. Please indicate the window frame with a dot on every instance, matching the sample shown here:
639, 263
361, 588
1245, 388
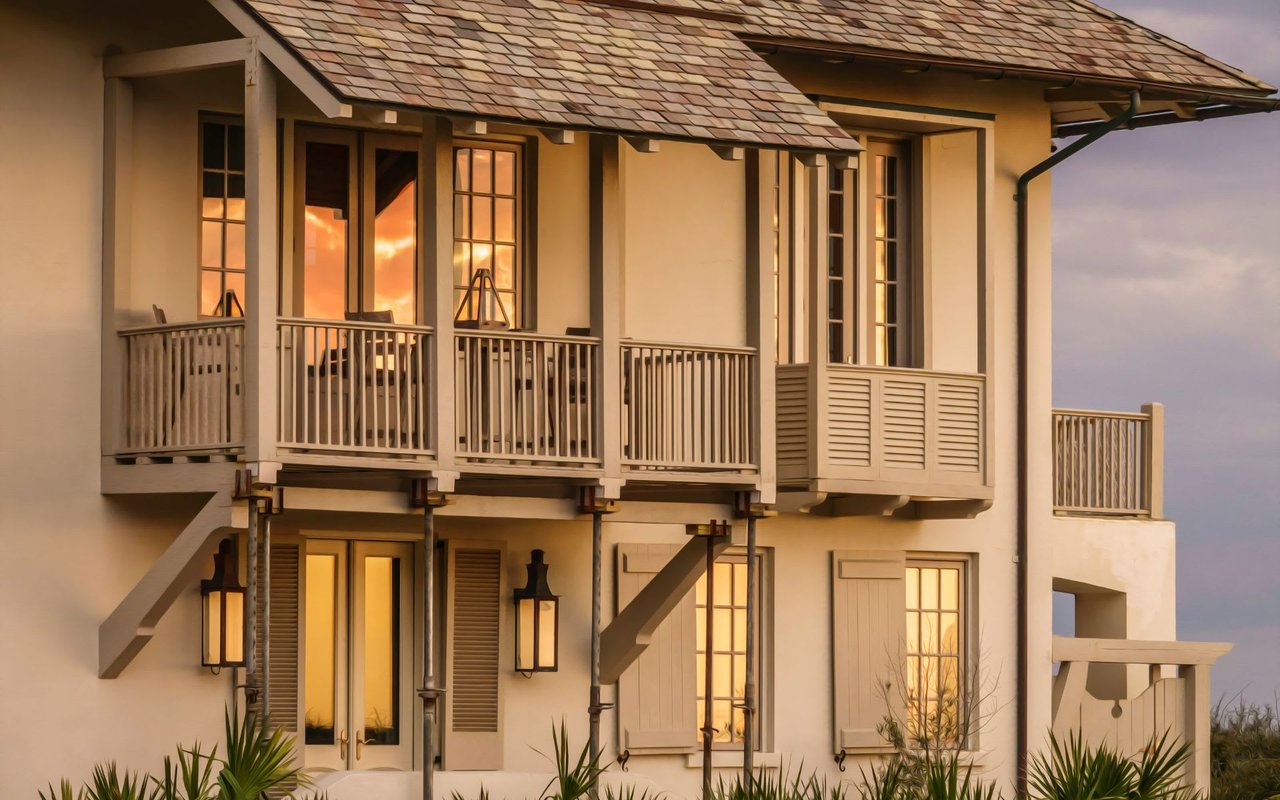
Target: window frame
524, 285
967, 612
909, 307
228, 121
763, 739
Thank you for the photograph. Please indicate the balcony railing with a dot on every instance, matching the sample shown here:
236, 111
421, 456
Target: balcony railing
887, 430
688, 408
1109, 463
528, 398
182, 387
354, 387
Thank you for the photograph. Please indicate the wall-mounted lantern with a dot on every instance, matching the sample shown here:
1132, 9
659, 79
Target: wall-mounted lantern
537, 621
222, 599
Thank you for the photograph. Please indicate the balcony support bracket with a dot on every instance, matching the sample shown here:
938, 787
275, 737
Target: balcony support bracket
863, 505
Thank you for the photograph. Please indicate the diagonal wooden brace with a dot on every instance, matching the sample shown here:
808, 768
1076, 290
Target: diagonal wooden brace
123, 635
630, 632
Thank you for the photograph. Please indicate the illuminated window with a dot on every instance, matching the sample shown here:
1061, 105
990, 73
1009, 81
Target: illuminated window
728, 608
891, 252
222, 225
935, 652
487, 223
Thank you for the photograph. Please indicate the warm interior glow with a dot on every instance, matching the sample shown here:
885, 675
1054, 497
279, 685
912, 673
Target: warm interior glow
325, 263
234, 609
213, 628
321, 648
381, 662
547, 634
395, 241
524, 658
729, 663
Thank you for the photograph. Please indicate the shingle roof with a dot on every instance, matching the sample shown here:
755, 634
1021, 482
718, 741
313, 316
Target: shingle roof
1073, 37
556, 63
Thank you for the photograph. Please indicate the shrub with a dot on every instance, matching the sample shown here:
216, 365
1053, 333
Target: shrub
1245, 757
1073, 770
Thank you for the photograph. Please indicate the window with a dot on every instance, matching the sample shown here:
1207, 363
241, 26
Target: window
891, 252
357, 251
935, 645
487, 226
222, 223
728, 610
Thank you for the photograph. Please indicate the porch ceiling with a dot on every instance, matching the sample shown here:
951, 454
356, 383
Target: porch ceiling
555, 63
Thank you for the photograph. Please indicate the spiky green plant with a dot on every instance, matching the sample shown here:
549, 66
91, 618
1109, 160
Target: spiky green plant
63, 792
190, 778
783, 784
945, 779
109, 782
1074, 770
258, 759
886, 781
573, 779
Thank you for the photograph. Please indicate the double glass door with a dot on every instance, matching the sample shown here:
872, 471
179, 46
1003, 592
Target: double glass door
357, 682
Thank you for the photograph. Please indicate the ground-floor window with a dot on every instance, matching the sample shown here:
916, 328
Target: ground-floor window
935, 651
727, 611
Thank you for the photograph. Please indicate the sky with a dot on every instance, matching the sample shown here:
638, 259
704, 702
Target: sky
1167, 289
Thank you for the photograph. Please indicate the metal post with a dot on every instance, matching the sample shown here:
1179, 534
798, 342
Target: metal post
594, 708
749, 685
265, 522
251, 612
708, 683
428, 693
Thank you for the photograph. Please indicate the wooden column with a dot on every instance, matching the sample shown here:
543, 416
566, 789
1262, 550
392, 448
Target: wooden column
1153, 459
1196, 706
819, 333
262, 250
986, 174
117, 222
761, 168
605, 220
435, 207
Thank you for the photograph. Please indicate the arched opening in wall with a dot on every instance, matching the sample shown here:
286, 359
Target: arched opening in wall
1094, 612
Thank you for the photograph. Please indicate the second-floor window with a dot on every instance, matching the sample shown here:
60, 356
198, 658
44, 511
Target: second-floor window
222, 218
487, 241
891, 239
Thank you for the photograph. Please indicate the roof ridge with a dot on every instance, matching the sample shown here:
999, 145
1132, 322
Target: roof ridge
1186, 49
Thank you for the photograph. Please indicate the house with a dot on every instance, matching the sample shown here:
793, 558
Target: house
679, 370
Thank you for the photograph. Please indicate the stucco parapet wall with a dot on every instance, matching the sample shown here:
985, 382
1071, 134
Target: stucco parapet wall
1134, 556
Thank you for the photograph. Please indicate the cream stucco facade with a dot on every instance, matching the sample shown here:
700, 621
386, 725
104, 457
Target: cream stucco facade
84, 522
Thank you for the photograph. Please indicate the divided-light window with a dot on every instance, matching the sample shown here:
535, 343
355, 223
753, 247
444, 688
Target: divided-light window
728, 607
222, 219
487, 225
936, 668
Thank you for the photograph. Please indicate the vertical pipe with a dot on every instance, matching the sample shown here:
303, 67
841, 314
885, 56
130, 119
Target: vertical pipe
594, 708
708, 678
266, 615
749, 685
428, 691
251, 604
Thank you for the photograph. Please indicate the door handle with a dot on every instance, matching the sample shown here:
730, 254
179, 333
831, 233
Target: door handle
360, 743
342, 744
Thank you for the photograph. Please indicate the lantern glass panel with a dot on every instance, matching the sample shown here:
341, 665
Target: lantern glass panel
213, 628
233, 644
525, 635
547, 634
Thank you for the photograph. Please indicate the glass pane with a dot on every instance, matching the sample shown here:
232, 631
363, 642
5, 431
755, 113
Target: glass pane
210, 244
504, 171
740, 630
880, 224
481, 256
504, 272
461, 217
235, 637
879, 261
722, 719
929, 587
381, 649
321, 648
913, 587
210, 291
913, 632
929, 632
212, 207
325, 230
395, 235
462, 175
879, 176
213, 628
213, 184
723, 634
482, 218
504, 220
461, 263
701, 670
235, 147
235, 284
700, 591
524, 655
740, 585
547, 634
700, 629
235, 245
235, 208
739, 686
950, 634
890, 218
214, 144
950, 589
235, 186
835, 213
482, 171
724, 584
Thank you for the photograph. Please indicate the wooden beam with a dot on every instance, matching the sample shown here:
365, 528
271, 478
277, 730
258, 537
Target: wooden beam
1134, 651
132, 624
761, 170
171, 60
729, 152
470, 127
435, 260
261, 261
811, 159
630, 632
321, 95
557, 135
642, 144
379, 116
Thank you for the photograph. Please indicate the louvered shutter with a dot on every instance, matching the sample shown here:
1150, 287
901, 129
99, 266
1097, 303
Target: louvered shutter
656, 695
474, 657
281, 679
868, 613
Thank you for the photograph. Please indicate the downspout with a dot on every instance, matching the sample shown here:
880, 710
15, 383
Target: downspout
1024, 510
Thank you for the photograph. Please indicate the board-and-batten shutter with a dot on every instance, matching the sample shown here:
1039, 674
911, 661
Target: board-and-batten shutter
473, 656
282, 680
656, 695
868, 612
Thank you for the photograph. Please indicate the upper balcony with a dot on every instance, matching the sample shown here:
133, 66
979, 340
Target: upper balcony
1108, 463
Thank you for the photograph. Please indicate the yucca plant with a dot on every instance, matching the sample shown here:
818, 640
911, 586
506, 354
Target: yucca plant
1073, 770
945, 779
573, 779
258, 759
109, 782
777, 785
63, 792
190, 778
